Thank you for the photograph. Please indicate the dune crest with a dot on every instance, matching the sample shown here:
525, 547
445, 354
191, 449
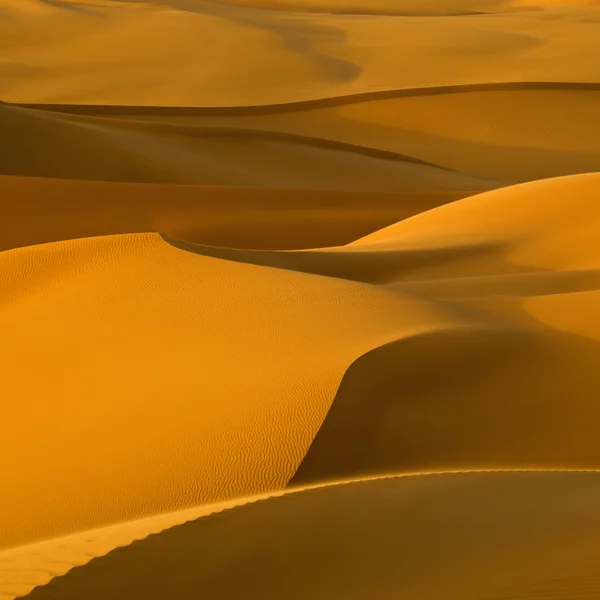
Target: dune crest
383, 415
188, 153
165, 306
523, 540
299, 299
242, 217
129, 45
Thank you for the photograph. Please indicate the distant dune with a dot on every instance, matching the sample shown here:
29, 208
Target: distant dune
299, 299
101, 149
123, 52
241, 217
432, 8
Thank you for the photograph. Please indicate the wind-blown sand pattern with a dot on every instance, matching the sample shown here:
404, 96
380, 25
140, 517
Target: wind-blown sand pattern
300, 299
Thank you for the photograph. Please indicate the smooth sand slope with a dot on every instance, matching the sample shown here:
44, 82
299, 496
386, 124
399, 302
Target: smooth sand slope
150, 336
484, 535
431, 8
210, 52
221, 216
47, 144
24, 567
469, 137
227, 364
251, 250
461, 96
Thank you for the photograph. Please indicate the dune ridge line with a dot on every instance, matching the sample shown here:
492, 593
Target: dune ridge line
305, 105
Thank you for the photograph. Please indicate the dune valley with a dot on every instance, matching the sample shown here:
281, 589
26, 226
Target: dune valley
300, 299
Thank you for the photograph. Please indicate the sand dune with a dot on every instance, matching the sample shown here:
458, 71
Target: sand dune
299, 299
508, 132
379, 344
28, 566
165, 307
529, 535
43, 144
403, 7
121, 52
221, 216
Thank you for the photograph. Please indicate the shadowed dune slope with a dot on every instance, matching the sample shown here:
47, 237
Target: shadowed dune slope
222, 216
299, 329
149, 335
528, 220
44, 144
25, 567
123, 52
511, 265
484, 535
440, 8
497, 132
547, 225
299, 299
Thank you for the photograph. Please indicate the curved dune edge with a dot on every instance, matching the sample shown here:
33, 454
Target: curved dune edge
476, 140
519, 265
392, 527
118, 151
508, 136
156, 312
304, 355
516, 227
235, 217
156, 316
497, 137
328, 55
36, 564
522, 264
383, 8
327, 102
529, 215
25, 567
302, 140
31, 565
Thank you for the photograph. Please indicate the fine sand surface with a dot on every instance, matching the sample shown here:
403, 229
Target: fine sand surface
529, 535
222, 216
300, 299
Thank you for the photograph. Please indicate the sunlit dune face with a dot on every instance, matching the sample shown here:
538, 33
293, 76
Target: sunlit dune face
299, 299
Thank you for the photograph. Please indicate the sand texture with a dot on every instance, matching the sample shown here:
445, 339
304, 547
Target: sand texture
300, 299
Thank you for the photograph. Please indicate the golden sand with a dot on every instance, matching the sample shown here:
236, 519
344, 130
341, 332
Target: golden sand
299, 299
528, 535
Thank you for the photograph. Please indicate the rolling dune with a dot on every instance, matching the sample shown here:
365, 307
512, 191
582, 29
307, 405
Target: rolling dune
221, 216
299, 299
510, 132
122, 52
125, 152
530, 535
120, 288
381, 338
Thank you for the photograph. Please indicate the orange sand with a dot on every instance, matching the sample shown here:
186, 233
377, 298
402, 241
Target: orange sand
528, 535
299, 299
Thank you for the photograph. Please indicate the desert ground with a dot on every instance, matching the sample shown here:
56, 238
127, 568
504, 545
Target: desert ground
300, 299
